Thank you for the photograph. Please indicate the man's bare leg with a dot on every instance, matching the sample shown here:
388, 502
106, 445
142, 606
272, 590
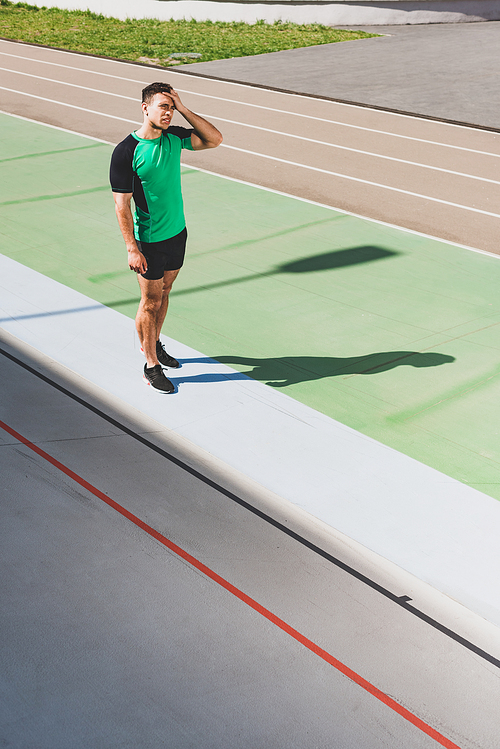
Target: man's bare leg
147, 315
168, 279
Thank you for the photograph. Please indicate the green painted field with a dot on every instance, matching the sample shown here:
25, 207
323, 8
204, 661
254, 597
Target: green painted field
395, 335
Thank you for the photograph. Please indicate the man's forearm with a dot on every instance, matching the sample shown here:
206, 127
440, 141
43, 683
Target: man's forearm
126, 224
136, 260
206, 132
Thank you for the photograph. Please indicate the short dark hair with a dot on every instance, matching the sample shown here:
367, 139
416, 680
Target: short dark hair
150, 91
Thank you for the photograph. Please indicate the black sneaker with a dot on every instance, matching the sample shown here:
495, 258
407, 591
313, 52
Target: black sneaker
164, 358
157, 379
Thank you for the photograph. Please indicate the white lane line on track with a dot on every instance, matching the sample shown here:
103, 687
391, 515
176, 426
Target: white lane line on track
346, 124
337, 210
222, 81
71, 106
363, 181
275, 158
56, 127
343, 124
72, 85
269, 130
269, 109
354, 150
277, 192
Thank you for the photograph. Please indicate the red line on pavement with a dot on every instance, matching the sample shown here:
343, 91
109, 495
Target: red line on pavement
327, 657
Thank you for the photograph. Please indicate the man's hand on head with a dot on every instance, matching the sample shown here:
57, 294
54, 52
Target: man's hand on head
177, 100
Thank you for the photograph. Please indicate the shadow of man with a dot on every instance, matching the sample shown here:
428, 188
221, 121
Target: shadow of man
290, 370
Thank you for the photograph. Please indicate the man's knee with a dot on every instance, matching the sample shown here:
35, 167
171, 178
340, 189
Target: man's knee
151, 304
167, 288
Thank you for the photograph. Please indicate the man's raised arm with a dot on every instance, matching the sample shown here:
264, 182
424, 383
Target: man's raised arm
205, 134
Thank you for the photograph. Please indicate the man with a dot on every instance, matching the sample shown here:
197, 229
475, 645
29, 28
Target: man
146, 166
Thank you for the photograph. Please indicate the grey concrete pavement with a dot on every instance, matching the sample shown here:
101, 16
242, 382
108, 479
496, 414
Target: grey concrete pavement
449, 72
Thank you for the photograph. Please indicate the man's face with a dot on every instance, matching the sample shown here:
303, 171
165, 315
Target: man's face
159, 111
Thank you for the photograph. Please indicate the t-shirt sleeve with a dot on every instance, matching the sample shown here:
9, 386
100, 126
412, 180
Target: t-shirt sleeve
184, 134
121, 173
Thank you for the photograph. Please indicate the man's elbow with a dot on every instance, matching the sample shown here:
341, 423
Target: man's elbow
122, 202
215, 140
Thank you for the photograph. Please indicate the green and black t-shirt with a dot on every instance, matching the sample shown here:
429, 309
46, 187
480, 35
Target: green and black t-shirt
151, 171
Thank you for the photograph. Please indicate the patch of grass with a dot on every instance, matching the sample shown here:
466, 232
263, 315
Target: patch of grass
154, 41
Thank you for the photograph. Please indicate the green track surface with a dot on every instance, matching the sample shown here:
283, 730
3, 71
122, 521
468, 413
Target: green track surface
393, 334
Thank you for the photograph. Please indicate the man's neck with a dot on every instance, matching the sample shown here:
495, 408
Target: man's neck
147, 132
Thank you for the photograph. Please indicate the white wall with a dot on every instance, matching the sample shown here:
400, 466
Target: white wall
340, 13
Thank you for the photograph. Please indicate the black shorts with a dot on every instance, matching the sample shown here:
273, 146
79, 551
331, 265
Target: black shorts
163, 256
